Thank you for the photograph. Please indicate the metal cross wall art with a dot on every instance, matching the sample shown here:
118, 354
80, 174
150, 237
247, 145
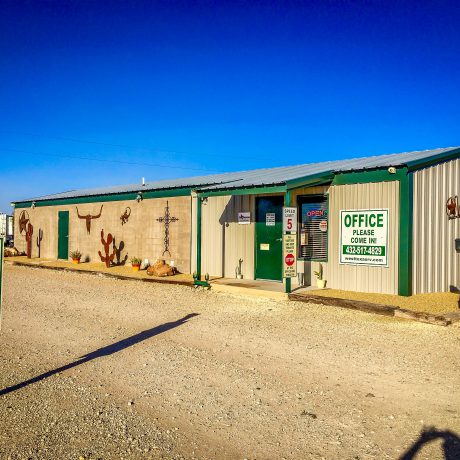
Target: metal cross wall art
167, 219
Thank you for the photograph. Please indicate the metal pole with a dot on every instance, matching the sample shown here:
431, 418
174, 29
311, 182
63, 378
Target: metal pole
2, 246
198, 238
287, 202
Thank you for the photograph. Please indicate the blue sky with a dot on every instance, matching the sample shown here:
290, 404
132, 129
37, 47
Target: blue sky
182, 88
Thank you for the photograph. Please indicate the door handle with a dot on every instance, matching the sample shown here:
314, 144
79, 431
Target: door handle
279, 239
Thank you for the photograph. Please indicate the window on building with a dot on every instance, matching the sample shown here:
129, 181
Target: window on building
313, 228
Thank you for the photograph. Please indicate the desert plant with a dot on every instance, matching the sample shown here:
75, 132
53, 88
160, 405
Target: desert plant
135, 261
75, 255
319, 273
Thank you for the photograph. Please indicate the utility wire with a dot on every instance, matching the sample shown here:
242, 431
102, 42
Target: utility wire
83, 141
157, 165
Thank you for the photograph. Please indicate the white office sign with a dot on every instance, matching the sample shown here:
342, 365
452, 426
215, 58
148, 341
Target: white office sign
244, 218
289, 219
364, 237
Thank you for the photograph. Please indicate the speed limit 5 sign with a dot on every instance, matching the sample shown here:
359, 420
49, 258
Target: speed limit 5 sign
289, 219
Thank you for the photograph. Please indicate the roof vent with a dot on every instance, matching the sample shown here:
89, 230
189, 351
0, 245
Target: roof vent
143, 182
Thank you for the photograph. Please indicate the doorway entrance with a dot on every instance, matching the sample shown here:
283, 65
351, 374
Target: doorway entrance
269, 237
63, 235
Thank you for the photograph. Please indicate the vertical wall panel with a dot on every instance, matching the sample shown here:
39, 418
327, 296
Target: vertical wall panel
224, 241
436, 265
359, 277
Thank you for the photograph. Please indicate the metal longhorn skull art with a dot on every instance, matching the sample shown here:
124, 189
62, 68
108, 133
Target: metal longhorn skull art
89, 218
23, 221
167, 219
125, 216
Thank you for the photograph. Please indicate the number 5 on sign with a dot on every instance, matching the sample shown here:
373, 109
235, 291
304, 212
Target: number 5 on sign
289, 219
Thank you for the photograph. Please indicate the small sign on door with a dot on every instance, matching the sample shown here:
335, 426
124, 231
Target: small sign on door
270, 219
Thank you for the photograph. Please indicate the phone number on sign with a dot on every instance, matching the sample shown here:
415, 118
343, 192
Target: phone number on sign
364, 250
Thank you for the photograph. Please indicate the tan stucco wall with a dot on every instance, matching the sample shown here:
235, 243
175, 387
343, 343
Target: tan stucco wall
142, 235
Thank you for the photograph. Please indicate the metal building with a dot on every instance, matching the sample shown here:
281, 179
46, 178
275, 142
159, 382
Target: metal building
386, 224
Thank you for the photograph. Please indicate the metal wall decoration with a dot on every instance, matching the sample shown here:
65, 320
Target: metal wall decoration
125, 216
167, 219
88, 218
452, 208
29, 233
39, 241
23, 221
108, 258
118, 250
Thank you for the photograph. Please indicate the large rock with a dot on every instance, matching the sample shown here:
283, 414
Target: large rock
161, 268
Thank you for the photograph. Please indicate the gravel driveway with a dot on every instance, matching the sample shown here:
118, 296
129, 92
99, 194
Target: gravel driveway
98, 368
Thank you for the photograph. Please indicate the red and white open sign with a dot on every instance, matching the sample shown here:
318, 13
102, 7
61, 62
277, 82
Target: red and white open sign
289, 219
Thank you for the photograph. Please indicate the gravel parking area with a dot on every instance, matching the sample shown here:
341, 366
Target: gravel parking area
98, 368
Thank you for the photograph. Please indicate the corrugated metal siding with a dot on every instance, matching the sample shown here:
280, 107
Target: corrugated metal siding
224, 241
436, 265
363, 278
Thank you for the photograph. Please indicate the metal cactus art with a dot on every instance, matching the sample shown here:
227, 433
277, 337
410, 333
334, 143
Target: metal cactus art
88, 218
29, 233
23, 221
167, 219
125, 216
39, 241
118, 250
108, 258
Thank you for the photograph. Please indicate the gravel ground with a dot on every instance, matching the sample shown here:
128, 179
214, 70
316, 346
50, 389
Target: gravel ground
435, 302
101, 368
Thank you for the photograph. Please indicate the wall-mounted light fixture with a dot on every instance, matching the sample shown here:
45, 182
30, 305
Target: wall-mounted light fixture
139, 197
204, 200
33, 205
392, 170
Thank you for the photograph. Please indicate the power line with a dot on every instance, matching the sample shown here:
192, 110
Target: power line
106, 144
106, 161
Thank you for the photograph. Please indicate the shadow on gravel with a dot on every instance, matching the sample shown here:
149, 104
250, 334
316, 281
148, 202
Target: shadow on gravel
450, 444
104, 351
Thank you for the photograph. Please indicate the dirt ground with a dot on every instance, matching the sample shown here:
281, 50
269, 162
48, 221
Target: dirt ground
99, 368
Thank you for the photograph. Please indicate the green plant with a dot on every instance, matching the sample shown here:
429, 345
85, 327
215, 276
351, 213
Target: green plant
136, 261
75, 254
319, 273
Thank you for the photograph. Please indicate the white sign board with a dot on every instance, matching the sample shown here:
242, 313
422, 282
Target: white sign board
364, 237
289, 256
270, 219
289, 219
244, 218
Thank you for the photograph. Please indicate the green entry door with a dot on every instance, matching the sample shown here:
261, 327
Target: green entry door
63, 235
269, 234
